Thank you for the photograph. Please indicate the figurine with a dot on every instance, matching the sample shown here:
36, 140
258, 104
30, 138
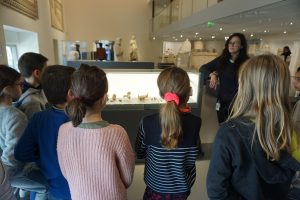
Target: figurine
118, 51
143, 97
133, 49
73, 55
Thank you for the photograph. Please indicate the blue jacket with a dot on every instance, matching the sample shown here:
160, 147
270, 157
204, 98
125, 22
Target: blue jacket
38, 143
240, 170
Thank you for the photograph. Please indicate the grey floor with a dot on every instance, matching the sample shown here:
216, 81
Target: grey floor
207, 134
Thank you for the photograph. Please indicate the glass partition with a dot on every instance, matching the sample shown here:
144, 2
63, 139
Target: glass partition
169, 11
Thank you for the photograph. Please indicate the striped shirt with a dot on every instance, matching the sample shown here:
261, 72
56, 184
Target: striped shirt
169, 171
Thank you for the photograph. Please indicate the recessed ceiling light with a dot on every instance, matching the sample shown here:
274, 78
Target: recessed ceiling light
196, 33
176, 39
221, 29
291, 23
244, 30
251, 35
200, 38
213, 37
153, 38
284, 32
265, 31
181, 36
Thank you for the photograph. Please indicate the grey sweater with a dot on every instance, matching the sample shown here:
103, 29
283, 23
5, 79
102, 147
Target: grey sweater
12, 124
5, 189
32, 101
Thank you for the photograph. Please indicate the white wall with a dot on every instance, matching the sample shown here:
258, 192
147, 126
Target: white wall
92, 20
42, 27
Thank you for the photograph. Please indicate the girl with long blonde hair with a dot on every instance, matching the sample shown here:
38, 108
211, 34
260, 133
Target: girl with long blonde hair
251, 157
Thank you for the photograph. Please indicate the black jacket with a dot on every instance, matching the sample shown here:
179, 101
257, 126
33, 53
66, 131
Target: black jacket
228, 78
240, 170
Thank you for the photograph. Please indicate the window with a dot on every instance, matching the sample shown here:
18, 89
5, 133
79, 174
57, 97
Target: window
12, 56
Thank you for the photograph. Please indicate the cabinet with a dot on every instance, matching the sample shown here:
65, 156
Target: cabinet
134, 94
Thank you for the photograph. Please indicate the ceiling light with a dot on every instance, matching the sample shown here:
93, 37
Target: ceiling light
291, 23
196, 33
153, 38
176, 39
181, 36
251, 35
221, 29
284, 32
265, 31
244, 30
226, 38
213, 37
200, 38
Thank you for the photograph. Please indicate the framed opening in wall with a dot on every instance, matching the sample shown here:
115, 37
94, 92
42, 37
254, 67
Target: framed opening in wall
26, 7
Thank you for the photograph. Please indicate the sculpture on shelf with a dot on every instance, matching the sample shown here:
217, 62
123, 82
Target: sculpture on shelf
101, 52
78, 50
118, 51
133, 49
186, 47
183, 57
73, 55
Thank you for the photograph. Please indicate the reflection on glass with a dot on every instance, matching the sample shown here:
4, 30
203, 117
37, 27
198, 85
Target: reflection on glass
12, 56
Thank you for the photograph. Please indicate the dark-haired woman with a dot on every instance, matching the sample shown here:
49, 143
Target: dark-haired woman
223, 72
95, 156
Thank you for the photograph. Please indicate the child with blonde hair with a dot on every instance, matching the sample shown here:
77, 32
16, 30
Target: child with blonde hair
168, 140
95, 156
251, 153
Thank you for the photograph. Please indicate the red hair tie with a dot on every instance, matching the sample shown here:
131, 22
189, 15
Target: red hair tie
169, 96
78, 97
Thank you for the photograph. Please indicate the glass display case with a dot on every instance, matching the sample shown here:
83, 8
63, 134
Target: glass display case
134, 94
140, 88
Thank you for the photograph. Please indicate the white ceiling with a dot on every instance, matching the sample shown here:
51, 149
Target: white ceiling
270, 20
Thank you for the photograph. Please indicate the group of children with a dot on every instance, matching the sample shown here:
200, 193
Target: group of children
65, 150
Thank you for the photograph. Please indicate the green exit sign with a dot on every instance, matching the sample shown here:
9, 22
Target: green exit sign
210, 24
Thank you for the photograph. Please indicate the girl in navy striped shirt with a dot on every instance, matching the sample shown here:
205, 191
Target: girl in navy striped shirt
168, 140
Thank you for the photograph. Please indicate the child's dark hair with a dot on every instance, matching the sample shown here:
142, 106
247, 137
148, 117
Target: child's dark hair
298, 69
29, 62
172, 80
56, 81
8, 76
88, 85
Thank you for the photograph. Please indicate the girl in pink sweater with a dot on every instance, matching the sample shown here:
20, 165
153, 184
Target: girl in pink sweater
95, 157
